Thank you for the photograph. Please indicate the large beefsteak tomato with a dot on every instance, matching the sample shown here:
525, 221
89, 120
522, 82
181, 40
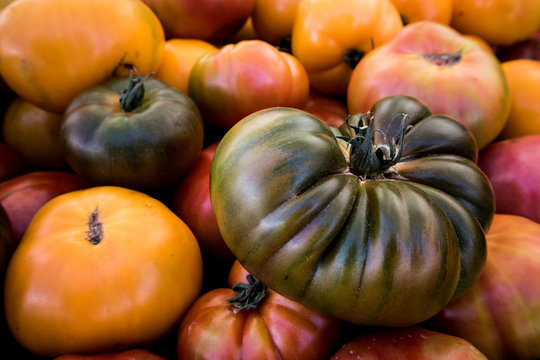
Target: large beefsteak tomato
99, 270
380, 230
132, 132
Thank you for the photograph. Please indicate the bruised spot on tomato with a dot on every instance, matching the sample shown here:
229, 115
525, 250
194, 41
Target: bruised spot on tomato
95, 228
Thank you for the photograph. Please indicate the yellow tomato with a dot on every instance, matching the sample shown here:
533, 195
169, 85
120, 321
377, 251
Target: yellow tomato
100, 269
273, 19
417, 10
523, 77
52, 50
330, 37
179, 56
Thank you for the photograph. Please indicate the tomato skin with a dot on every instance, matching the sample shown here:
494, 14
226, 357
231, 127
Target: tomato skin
106, 258
324, 30
23, 195
109, 146
418, 10
277, 328
471, 87
285, 230
410, 343
53, 50
241, 78
329, 109
500, 314
12, 163
273, 20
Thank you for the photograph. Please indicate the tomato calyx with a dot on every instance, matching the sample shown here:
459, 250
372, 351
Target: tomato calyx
95, 228
443, 59
353, 56
249, 296
368, 160
133, 95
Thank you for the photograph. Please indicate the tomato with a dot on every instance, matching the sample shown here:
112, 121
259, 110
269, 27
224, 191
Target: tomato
384, 233
99, 270
251, 321
329, 37
179, 56
209, 20
242, 78
511, 168
12, 163
451, 73
273, 20
526, 49
23, 195
523, 76
35, 134
131, 354
410, 343
499, 22
418, 10
132, 132
500, 314
329, 109
53, 50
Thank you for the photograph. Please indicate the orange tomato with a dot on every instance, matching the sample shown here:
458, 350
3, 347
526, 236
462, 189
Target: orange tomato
499, 22
179, 56
99, 270
52, 50
330, 37
417, 10
35, 134
523, 77
273, 20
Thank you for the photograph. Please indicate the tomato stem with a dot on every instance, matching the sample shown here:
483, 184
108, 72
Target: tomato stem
133, 96
95, 228
249, 296
443, 59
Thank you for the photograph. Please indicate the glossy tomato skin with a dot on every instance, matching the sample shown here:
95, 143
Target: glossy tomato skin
325, 31
511, 168
467, 82
273, 20
418, 10
319, 234
23, 195
242, 78
500, 313
148, 148
106, 258
53, 50
409, 343
277, 328
329, 109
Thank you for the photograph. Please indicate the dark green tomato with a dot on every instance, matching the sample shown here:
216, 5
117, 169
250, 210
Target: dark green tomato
389, 248
146, 143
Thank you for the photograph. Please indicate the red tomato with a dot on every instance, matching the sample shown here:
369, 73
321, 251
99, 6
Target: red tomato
274, 328
24, 195
329, 109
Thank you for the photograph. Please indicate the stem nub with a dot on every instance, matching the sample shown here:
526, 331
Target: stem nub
249, 295
133, 96
95, 228
443, 59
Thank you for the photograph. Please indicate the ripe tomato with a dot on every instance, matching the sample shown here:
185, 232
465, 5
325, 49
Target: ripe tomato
12, 163
329, 109
418, 10
262, 325
52, 50
273, 20
99, 270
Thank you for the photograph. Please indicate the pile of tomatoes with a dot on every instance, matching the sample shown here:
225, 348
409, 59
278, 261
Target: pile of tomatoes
270, 179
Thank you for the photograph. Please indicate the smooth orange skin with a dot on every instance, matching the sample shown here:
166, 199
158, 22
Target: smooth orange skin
324, 29
523, 77
473, 90
64, 295
52, 50
278, 328
408, 343
273, 19
500, 314
35, 134
418, 10
499, 22
179, 56
241, 78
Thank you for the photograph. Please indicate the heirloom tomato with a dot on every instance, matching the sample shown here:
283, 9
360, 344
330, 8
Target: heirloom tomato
133, 132
418, 10
329, 109
499, 22
52, 50
98, 270
179, 56
249, 321
409, 343
382, 229
453, 74
329, 37
500, 313
35, 134
242, 78
12, 163
23, 195
523, 77
273, 21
